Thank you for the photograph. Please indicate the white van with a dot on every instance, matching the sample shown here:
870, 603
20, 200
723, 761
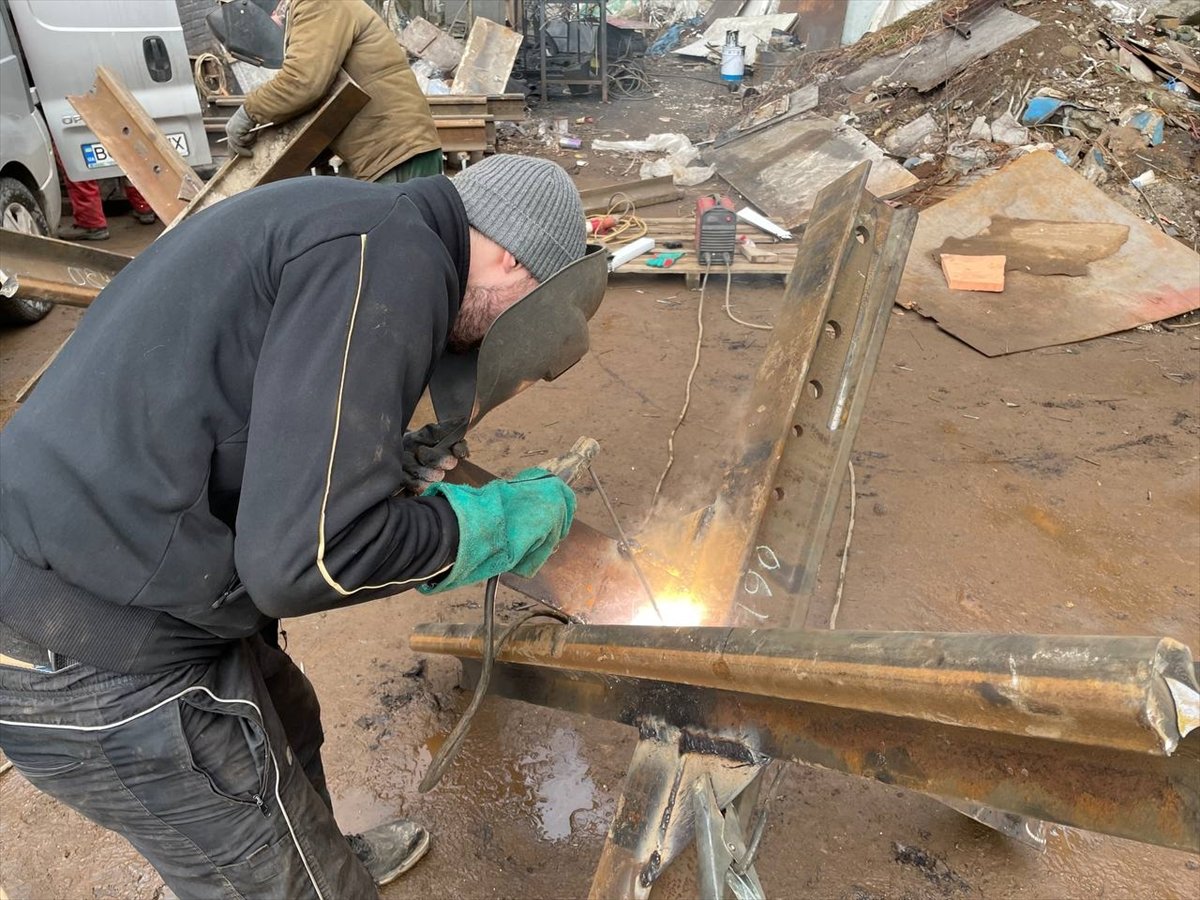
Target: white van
29, 195
63, 41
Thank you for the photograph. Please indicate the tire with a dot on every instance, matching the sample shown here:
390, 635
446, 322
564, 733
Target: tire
19, 211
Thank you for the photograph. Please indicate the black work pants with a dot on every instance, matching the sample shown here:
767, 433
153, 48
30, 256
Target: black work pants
213, 772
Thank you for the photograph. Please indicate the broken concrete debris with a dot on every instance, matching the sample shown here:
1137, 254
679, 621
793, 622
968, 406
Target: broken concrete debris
917, 136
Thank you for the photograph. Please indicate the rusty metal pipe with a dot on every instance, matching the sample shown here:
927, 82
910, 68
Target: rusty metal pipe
1126, 693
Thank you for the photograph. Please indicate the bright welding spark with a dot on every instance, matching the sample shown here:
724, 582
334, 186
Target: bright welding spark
676, 611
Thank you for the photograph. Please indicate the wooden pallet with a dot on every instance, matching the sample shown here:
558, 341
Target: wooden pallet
690, 267
683, 231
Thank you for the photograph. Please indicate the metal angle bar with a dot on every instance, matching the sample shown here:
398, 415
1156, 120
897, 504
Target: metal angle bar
654, 819
140, 148
1142, 797
283, 151
58, 271
1127, 693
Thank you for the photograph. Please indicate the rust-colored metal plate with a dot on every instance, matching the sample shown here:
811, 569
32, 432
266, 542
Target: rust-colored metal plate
1151, 277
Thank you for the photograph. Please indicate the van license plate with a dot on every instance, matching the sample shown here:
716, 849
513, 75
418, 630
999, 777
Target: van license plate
97, 157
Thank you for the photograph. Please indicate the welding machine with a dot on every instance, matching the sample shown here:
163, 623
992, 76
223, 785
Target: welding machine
716, 229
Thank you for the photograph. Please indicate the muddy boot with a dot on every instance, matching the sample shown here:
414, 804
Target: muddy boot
391, 849
77, 233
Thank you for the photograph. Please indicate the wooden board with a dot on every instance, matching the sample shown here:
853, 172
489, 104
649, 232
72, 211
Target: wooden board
488, 60
943, 54
140, 148
1151, 277
781, 169
284, 151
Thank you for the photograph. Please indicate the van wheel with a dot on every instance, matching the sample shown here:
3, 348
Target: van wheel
19, 211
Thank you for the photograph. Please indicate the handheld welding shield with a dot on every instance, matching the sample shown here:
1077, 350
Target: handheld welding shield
537, 338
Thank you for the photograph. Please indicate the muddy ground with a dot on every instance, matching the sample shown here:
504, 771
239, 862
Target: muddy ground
1055, 491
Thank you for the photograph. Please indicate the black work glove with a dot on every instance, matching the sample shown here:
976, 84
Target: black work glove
424, 463
239, 134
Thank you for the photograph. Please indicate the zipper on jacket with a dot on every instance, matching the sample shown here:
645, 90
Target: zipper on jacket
234, 590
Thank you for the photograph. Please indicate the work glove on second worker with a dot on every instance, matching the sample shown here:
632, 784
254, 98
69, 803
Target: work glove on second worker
505, 526
239, 132
424, 461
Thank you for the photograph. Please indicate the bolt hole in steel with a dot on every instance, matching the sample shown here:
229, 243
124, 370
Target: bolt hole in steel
158, 170
778, 492
814, 389
798, 430
125, 129
861, 234
833, 329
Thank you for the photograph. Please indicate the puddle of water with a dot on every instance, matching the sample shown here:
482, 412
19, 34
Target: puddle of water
564, 793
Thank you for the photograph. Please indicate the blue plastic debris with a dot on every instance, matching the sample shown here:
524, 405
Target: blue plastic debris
1150, 123
1066, 160
671, 38
1040, 109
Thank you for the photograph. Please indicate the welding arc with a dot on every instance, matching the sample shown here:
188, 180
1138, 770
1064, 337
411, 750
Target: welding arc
449, 750
687, 392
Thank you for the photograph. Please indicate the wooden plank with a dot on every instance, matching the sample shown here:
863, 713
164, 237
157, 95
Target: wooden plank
286, 150
135, 141
943, 54
781, 169
488, 60
756, 254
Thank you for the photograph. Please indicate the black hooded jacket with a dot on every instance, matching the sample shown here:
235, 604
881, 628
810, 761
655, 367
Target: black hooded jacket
219, 443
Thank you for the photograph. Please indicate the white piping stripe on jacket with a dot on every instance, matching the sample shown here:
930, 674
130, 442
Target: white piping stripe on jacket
337, 424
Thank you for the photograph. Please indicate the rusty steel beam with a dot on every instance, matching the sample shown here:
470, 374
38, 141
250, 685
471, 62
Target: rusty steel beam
1143, 797
1129, 693
465, 135
59, 271
1037, 753
283, 151
140, 148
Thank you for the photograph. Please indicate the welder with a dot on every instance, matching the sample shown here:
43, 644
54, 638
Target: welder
222, 444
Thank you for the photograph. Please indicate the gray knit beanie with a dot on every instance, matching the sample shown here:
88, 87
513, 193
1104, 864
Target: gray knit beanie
528, 206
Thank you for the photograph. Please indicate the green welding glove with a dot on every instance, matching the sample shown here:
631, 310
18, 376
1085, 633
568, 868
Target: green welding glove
505, 526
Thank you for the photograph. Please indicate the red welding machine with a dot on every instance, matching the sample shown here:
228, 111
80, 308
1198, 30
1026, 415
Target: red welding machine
716, 229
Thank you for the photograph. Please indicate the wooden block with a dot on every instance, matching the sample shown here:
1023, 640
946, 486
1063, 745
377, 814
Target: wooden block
973, 273
754, 253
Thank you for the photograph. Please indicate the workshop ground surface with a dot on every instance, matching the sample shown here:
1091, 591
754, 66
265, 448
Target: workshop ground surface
1055, 491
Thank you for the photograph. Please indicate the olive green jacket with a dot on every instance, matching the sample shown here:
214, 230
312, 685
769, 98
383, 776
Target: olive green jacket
323, 36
